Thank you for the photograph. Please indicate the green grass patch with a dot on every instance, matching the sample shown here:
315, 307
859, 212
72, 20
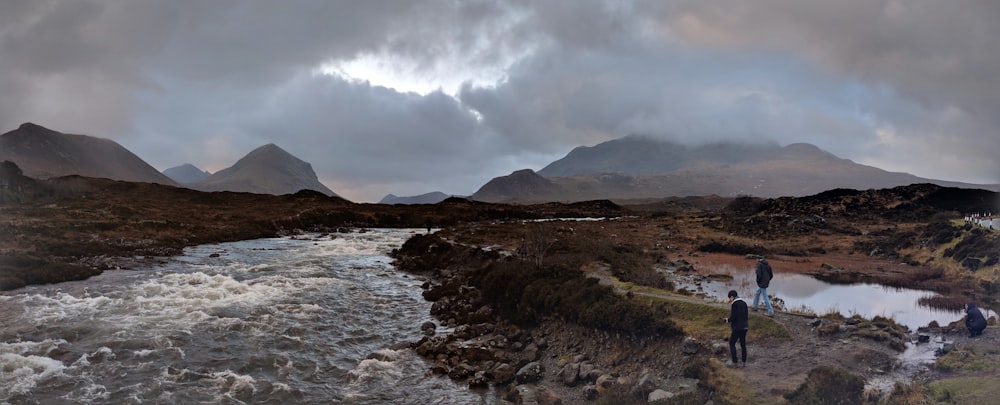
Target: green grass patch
965, 390
728, 388
704, 320
969, 360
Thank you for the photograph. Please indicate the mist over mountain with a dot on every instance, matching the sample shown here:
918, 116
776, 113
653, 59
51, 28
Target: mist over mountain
43, 153
635, 154
265, 170
186, 173
636, 167
428, 198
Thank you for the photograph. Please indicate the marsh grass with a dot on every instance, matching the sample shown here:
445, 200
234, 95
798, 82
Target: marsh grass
969, 360
829, 385
728, 388
965, 390
704, 320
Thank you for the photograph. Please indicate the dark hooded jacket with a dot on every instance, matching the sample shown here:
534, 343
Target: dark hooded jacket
974, 319
764, 274
739, 317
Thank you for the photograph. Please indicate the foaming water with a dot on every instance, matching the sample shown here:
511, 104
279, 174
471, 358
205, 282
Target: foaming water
285, 320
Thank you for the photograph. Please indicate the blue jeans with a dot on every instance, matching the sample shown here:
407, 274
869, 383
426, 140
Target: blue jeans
767, 301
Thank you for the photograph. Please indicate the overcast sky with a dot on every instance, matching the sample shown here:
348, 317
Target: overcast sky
409, 97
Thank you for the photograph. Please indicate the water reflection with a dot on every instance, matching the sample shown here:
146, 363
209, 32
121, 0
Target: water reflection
800, 292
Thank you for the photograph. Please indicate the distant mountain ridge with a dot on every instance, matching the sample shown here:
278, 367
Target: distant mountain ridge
427, 198
186, 173
636, 154
265, 170
636, 167
43, 153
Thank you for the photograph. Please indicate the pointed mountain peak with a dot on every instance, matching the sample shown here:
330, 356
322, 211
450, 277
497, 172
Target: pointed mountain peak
270, 148
266, 170
524, 173
186, 173
44, 153
30, 126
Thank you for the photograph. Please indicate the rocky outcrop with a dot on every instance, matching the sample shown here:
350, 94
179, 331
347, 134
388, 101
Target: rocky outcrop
551, 363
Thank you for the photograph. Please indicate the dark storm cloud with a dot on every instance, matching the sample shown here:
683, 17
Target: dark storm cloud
904, 85
938, 58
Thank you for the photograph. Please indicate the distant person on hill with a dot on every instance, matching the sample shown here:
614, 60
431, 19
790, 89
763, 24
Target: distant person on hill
764, 276
738, 321
522, 250
974, 319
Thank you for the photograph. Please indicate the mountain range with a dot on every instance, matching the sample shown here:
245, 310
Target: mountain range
632, 167
636, 167
42, 153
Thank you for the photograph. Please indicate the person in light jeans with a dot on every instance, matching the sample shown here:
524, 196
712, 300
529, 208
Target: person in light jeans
764, 276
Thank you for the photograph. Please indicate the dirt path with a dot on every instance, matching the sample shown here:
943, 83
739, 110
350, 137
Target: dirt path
778, 366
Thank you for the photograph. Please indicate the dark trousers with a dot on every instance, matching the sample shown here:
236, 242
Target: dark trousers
976, 331
741, 336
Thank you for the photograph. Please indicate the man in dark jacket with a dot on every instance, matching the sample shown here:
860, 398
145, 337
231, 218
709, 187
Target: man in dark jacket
738, 321
974, 320
764, 276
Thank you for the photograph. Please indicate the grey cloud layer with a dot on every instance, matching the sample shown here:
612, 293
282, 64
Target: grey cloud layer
904, 85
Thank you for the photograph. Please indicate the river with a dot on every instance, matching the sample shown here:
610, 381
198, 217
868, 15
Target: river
309, 319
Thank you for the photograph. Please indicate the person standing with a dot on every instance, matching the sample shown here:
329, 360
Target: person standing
739, 324
974, 319
764, 276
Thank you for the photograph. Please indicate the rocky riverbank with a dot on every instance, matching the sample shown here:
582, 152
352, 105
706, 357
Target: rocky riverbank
553, 361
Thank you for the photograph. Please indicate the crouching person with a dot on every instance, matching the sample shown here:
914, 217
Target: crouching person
974, 319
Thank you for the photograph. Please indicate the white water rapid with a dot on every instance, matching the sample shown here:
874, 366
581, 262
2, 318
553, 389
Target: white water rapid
287, 320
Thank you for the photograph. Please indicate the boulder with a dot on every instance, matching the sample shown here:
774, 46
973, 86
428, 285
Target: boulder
645, 385
532, 395
531, 352
690, 346
531, 372
590, 392
461, 371
521, 394
479, 379
545, 396
570, 374
584, 373
503, 373
428, 328
659, 395
605, 382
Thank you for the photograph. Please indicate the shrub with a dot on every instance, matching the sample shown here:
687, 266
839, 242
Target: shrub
526, 294
826, 385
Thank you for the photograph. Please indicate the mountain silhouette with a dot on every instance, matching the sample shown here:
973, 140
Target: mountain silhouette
636, 167
265, 170
43, 153
427, 198
186, 173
